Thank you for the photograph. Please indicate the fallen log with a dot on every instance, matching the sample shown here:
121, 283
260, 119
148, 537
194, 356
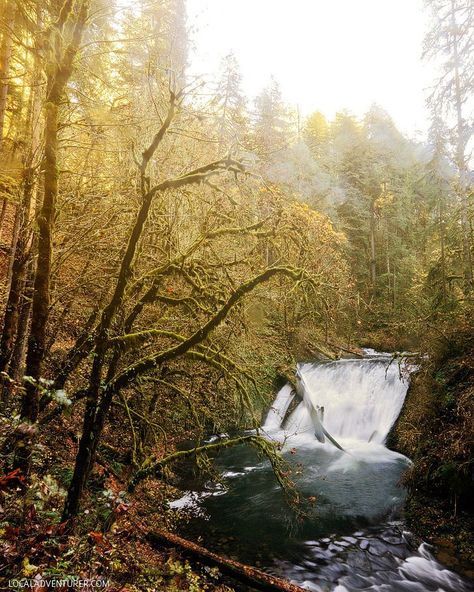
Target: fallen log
245, 574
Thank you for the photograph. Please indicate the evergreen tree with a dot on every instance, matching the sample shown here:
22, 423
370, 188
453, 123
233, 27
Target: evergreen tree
450, 42
271, 130
229, 105
316, 133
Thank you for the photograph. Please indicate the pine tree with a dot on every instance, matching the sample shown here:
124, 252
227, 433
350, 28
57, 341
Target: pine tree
316, 133
271, 129
450, 42
229, 105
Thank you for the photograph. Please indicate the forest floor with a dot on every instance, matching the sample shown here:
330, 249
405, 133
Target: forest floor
109, 542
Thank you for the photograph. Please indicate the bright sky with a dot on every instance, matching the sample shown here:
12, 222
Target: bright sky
327, 54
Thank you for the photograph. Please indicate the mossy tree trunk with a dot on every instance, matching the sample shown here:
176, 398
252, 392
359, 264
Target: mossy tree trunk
99, 398
59, 67
41, 287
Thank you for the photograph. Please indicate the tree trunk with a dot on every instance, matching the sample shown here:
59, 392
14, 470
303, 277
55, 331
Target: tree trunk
3, 211
373, 269
18, 268
82, 464
11, 315
442, 239
17, 222
41, 286
59, 69
461, 161
5, 57
18, 353
18, 307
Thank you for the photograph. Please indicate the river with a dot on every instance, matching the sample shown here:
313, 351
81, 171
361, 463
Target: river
353, 536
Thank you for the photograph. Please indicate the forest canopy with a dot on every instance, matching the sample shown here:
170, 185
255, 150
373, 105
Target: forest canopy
169, 248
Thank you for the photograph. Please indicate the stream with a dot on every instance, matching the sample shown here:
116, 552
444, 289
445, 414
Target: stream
353, 537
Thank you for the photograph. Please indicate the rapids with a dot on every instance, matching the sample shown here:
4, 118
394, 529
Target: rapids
353, 537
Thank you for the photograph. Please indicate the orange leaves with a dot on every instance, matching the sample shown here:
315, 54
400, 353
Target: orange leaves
14, 478
97, 539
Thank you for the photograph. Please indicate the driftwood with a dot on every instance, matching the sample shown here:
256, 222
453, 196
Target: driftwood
245, 574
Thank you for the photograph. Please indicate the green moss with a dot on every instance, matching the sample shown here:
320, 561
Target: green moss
8, 187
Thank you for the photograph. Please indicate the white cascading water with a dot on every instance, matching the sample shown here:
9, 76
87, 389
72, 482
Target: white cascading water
352, 476
277, 411
361, 399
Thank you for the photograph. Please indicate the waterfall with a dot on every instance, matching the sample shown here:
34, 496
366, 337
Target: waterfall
351, 538
356, 399
276, 413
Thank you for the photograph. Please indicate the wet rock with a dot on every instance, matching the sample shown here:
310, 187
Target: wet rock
358, 562
322, 558
377, 547
411, 540
392, 539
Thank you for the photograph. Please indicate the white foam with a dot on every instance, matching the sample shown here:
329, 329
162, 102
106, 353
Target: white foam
361, 401
277, 411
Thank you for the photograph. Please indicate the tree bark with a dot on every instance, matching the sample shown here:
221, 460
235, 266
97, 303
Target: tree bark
59, 72
10, 322
442, 241
3, 211
15, 325
5, 57
41, 286
18, 269
18, 353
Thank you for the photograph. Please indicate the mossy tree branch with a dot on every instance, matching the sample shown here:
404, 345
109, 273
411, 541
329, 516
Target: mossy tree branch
149, 363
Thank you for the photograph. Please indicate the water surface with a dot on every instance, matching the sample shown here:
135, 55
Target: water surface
352, 537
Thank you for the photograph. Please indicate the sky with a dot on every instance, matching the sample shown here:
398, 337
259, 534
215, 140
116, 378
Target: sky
327, 55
